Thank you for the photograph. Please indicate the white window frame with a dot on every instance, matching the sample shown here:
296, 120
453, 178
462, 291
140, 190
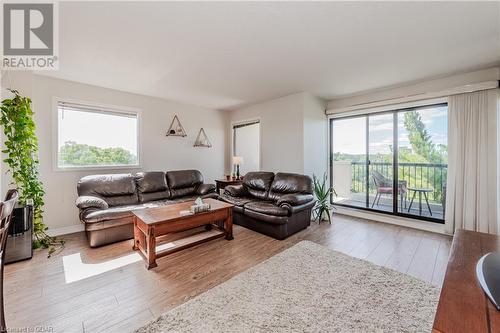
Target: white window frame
231, 135
106, 108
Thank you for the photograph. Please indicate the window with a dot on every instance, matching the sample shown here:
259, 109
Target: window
246, 144
393, 162
96, 137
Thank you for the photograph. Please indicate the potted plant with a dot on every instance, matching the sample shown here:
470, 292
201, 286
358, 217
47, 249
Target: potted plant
322, 192
21, 147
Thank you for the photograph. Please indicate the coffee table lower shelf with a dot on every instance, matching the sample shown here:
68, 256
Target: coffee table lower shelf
167, 248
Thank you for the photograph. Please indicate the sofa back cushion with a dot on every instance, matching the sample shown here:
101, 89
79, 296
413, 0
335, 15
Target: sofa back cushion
152, 186
287, 183
258, 183
183, 182
115, 189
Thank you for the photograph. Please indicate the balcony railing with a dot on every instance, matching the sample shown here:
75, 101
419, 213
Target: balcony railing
422, 175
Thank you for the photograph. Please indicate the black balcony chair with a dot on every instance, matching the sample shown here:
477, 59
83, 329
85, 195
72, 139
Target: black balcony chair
6, 209
384, 185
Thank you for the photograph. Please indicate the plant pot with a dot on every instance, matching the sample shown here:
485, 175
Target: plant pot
20, 239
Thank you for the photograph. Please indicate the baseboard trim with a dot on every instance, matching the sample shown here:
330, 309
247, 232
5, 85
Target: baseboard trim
397, 220
65, 230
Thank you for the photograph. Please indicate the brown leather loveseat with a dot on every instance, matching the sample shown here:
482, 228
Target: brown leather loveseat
106, 202
275, 205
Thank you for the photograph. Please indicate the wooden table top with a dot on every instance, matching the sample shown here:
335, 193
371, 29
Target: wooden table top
225, 181
172, 212
463, 305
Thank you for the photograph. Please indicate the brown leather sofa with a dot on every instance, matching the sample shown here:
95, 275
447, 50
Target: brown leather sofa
106, 202
275, 205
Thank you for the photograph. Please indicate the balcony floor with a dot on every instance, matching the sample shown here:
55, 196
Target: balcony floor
385, 205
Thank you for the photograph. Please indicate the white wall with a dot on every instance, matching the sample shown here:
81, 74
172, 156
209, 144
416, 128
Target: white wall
247, 145
293, 133
315, 136
281, 132
158, 151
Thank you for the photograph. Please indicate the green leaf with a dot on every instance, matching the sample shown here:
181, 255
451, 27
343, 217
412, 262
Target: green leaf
22, 150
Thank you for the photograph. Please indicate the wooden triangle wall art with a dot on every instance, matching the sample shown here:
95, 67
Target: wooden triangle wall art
176, 128
202, 139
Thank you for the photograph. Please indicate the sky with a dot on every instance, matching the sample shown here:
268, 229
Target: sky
349, 135
106, 130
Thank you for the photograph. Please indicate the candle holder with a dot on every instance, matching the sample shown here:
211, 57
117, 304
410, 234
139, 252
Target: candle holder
237, 161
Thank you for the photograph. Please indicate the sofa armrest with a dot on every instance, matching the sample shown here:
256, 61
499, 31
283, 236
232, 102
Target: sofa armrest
205, 189
295, 199
295, 209
87, 201
292, 209
235, 190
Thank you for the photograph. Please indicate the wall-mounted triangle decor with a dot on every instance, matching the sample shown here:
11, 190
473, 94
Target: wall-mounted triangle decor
176, 128
202, 139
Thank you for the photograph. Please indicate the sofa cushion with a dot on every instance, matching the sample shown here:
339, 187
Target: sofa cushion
115, 189
194, 197
237, 201
183, 182
97, 215
257, 184
286, 183
113, 213
266, 207
294, 199
265, 218
107, 224
236, 190
152, 186
153, 181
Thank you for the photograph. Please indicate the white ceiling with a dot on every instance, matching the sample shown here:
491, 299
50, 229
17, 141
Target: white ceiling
224, 55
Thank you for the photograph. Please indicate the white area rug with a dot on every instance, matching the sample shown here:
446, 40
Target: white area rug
308, 288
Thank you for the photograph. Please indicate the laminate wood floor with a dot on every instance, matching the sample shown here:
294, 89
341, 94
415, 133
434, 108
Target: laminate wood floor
108, 289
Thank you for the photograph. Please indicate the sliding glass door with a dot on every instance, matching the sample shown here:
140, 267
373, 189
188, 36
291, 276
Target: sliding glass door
423, 160
393, 162
380, 161
348, 167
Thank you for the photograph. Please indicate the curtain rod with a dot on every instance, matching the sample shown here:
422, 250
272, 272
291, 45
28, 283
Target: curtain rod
486, 85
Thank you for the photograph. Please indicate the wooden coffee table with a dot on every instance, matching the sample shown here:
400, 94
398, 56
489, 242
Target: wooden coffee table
151, 223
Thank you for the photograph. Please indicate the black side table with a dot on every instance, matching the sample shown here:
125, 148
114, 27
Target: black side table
420, 191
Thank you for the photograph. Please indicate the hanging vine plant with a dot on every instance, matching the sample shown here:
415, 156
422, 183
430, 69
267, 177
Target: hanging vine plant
21, 146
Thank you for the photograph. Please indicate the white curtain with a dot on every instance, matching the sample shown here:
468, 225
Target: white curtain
471, 195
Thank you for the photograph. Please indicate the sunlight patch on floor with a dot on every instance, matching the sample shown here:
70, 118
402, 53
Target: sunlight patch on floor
76, 270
